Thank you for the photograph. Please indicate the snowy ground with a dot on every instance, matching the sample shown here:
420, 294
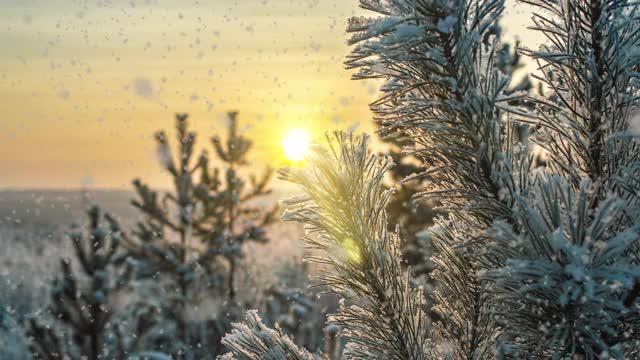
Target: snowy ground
32, 239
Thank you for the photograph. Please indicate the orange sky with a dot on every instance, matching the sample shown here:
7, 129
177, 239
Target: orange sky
84, 84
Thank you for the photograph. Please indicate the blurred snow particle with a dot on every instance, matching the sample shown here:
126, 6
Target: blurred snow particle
143, 87
353, 127
315, 46
64, 94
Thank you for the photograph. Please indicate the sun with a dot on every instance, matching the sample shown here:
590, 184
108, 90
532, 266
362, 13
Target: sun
296, 144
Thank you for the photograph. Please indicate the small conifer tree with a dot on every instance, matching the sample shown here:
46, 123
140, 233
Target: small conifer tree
206, 219
81, 304
192, 237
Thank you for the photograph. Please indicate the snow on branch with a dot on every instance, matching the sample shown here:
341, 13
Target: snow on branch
561, 290
253, 340
447, 91
590, 64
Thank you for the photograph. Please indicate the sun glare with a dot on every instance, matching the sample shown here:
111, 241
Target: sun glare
296, 144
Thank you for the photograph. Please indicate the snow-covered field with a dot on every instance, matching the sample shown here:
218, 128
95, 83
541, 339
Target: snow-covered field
33, 226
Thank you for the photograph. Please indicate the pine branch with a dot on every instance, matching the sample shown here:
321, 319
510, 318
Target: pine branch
560, 293
591, 65
252, 340
447, 90
344, 206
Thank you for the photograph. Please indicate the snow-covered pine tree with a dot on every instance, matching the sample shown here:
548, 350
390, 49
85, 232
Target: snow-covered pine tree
415, 217
569, 281
205, 221
193, 236
445, 89
82, 297
591, 70
532, 263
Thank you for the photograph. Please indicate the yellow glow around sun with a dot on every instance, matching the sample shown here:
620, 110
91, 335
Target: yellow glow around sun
296, 144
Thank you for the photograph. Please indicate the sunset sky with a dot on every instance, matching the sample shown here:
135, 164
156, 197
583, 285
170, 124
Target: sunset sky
85, 84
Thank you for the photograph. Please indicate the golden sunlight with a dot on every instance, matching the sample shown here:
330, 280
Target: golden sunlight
351, 249
296, 144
